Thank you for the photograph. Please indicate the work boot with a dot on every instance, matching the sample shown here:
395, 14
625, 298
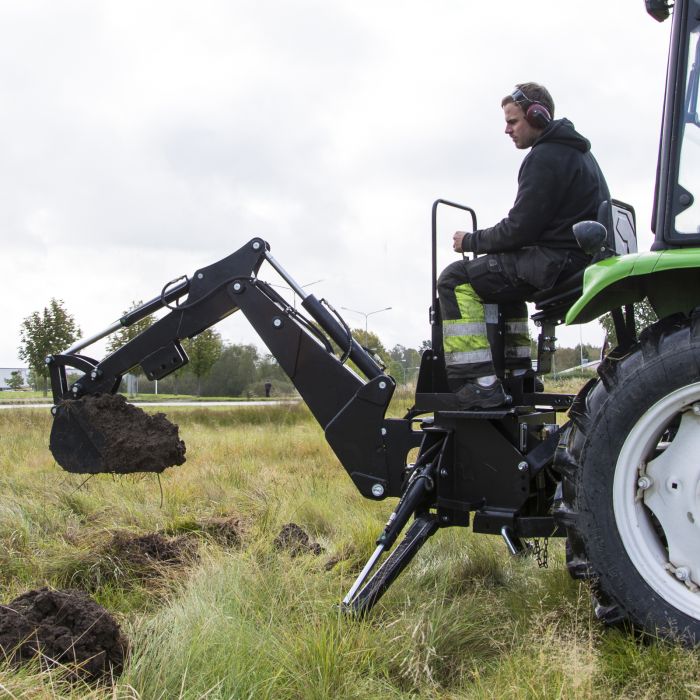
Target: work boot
472, 395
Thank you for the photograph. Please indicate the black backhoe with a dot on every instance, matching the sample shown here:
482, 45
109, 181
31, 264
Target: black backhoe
620, 479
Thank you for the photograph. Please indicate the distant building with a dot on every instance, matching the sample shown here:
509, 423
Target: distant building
6, 373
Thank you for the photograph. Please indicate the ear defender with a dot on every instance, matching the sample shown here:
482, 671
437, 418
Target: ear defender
536, 114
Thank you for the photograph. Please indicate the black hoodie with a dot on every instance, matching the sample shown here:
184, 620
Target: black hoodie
559, 184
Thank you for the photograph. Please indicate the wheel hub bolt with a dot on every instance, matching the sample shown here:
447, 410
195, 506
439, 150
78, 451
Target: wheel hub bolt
682, 573
645, 482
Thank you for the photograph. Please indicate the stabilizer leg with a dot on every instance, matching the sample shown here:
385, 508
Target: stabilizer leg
420, 530
416, 501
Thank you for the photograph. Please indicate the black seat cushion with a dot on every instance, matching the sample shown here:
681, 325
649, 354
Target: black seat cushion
569, 288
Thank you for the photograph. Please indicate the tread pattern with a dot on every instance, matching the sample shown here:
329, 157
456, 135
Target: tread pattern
667, 353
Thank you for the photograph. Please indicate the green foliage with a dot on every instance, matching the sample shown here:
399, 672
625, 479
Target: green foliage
45, 333
203, 351
371, 341
236, 369
269, 370
239, 370
15, 380
566, 358
644, 316
404, 364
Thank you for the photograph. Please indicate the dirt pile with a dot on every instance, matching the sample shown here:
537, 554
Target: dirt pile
147, 552
62, 628
226, 531
293, 539
105, 433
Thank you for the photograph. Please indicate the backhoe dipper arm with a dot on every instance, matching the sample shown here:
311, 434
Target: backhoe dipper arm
350, 409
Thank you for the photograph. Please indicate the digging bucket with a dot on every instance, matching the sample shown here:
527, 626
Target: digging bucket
106, 434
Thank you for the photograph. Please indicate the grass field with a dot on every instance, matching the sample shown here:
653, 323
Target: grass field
245, 619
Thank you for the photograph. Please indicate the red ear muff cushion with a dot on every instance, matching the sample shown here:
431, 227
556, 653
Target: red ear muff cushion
537, 115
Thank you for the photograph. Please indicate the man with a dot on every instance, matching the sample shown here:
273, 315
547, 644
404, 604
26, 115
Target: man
559, 184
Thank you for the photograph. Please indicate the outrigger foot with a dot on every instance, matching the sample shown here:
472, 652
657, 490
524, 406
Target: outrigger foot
360, 603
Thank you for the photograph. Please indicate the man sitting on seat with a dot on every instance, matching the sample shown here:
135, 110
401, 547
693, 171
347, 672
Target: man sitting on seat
559, 184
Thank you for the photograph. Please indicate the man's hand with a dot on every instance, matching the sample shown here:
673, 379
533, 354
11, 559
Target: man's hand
462, 242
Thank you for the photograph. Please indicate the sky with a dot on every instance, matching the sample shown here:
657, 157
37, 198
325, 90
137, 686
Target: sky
140, 141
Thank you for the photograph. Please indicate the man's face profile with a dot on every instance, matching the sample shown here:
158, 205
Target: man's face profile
522, 133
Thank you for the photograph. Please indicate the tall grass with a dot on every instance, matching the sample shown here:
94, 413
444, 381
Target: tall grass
248, 620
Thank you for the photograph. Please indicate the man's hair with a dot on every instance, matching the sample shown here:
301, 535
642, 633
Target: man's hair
533, 92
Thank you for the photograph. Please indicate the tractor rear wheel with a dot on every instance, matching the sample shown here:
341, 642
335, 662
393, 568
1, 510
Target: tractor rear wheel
630, 466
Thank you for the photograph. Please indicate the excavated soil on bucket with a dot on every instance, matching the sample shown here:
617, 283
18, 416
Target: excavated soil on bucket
134, 441
62, 628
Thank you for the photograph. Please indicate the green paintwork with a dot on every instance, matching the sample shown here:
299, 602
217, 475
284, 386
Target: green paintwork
669, 278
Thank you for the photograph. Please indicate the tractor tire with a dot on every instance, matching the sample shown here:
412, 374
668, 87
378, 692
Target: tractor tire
629, 459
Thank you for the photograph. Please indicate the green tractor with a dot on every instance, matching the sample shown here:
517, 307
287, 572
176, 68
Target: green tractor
630, 493
617, 480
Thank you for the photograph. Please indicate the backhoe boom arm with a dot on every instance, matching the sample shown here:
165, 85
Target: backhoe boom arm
349, 408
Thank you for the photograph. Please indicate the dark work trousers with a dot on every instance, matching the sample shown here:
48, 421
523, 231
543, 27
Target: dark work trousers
472, 292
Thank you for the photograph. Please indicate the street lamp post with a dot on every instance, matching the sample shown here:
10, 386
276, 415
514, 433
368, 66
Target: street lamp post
366, 314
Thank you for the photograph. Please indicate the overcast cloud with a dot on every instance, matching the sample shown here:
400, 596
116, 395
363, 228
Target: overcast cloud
142, 140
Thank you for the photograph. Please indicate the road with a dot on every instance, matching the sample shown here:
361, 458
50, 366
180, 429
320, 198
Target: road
143, 404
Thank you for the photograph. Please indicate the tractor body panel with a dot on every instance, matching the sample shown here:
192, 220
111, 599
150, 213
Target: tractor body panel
669, 278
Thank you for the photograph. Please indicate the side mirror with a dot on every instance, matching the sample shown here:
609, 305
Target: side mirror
591, 236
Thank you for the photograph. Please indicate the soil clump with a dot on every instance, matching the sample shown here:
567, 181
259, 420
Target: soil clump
62, 627
145, 553
104, 433
226, 531
293, 539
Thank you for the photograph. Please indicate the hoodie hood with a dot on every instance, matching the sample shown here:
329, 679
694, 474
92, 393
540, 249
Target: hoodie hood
562, 131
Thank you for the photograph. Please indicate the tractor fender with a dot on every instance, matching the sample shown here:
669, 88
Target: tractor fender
669, 278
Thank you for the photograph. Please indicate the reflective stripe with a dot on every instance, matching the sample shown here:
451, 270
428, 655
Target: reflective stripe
517, 340
464, 339
456, 328
466, 358
517, 327
491, 313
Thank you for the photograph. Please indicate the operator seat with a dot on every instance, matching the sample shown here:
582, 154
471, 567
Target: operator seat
552, 304
551, 307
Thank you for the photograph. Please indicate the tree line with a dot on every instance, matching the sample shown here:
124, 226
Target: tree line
219, 368
215, 367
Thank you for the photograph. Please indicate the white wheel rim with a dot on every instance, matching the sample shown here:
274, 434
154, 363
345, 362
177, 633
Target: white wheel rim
633, 516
